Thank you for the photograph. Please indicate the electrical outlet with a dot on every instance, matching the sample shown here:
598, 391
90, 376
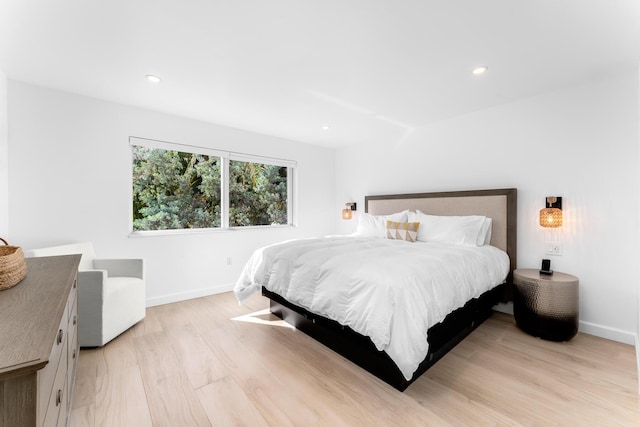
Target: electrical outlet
554, 248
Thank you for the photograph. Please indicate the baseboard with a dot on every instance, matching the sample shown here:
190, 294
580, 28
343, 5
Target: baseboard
609, 333
196, 293
504, 308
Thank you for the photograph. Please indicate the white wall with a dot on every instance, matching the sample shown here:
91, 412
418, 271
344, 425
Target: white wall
580, 143
4, 160
69, 174
71, 181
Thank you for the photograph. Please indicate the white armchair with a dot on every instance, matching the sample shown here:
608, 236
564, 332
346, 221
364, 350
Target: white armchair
111, 293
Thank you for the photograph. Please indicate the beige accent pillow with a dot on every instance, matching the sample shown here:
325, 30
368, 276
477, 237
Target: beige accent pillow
402, 230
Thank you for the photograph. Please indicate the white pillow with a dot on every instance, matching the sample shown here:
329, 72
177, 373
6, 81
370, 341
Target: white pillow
456, 230
376, 225
484, 237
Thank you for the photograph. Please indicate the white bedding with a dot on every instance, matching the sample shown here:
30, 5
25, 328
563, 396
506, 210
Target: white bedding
392, 291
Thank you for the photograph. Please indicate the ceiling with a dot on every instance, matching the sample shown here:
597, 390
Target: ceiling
370, 70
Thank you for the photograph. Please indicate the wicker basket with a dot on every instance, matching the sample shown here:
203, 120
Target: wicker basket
13, 267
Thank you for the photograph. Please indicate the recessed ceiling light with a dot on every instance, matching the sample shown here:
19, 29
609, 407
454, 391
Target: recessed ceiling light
479, 70
153, 79
326, 127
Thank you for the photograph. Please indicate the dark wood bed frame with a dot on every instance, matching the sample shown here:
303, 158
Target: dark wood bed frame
442, 337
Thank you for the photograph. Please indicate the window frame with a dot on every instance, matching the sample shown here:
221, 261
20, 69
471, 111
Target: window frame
225, 157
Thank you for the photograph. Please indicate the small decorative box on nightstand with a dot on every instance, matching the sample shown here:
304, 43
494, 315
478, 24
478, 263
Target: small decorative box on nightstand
546, 306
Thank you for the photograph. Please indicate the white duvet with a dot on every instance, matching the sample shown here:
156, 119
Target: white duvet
389, 290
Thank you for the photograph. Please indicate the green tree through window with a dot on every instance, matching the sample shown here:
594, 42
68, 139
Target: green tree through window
257, 194
175, 190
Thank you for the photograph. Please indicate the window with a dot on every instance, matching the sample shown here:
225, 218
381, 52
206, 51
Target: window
179, 187
174, 189
257, 194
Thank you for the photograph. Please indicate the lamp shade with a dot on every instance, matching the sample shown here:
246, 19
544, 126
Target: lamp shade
347, 211
551, 215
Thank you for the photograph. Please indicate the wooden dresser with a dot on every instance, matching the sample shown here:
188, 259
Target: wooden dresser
39, 344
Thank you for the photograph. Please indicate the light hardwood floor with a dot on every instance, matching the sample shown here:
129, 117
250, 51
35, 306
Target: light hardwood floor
210, 362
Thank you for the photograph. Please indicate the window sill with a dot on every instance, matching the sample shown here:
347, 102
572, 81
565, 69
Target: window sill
192, 231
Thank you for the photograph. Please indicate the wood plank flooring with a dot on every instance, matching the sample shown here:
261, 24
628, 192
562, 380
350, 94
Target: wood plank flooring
210, 362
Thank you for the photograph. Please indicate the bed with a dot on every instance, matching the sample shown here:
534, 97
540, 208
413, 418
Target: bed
360, 340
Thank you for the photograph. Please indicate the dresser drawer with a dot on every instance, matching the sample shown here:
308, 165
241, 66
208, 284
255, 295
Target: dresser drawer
73, 298
57, 398
73, 350
47, 375
73, 317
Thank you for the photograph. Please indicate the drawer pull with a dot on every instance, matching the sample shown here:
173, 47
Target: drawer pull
73, 356
58, 397
75, 283
59, 339
75, 319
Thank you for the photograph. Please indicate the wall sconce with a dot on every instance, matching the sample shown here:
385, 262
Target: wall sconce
551, 215
346, 212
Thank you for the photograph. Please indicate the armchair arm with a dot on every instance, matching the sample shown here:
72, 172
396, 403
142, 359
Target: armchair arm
91, 291
92, 282
121, 267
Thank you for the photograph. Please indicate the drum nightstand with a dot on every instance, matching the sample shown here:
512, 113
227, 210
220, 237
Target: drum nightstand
546, 306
